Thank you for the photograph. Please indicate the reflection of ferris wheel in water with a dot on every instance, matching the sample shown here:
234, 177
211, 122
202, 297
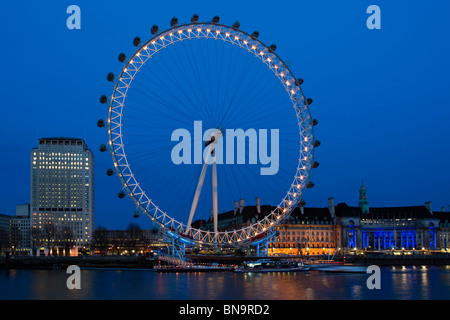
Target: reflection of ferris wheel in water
225, 78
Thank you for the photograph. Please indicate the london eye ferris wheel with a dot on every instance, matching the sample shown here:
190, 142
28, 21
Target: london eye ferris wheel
172, 107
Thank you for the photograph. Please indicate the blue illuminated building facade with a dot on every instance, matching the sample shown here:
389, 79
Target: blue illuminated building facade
387, 228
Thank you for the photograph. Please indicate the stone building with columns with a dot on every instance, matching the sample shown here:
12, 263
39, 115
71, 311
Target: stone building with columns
387, 228
444, 228
308, 231
312, 231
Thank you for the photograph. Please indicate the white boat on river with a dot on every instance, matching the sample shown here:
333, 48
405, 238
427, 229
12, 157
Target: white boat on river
268, 265
337, 267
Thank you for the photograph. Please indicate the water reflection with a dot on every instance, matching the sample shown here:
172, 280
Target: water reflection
396, 283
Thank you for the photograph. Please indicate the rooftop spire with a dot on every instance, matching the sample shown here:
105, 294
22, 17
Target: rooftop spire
363, 202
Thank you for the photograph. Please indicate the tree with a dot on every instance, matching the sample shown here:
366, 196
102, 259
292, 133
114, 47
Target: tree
65, 239
37, 237
49, 235
101, 241
15, 238
134, 235
4, 240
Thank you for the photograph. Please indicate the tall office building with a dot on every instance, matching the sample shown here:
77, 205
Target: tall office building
62, 196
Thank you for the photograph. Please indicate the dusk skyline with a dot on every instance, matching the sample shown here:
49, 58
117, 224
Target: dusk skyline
379, 95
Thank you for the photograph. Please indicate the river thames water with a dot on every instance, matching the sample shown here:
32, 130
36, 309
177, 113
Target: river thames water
397, 283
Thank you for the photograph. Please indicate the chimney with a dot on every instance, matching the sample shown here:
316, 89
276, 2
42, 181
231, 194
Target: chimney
258, 205
242, 205
301, 205
331, 207
236, 207
428, 206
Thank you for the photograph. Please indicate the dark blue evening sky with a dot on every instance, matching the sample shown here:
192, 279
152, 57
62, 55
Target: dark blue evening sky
381, 96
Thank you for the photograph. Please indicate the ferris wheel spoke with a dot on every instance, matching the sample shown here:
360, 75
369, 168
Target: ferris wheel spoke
256, 120
208, 75
218, 73
189, 81
191, 106
268, 106
194, 66
237, 103
150, 109
182, 87
257, 98
170, 106
232, 101
232, 78
158, 99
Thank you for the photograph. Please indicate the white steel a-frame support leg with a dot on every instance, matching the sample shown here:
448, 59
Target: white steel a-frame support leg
214, 193
198, 190
210, 152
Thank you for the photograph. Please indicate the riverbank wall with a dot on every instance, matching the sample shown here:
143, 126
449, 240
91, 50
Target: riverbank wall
61, 262
142, 262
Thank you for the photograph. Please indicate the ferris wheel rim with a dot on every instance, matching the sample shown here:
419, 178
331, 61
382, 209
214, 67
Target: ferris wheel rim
163, 219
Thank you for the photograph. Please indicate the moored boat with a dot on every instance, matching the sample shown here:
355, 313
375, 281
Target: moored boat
268, 265
343, 268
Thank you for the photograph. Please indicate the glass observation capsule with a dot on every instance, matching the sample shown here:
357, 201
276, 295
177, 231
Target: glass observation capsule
194, 18
174, 21
215, 19
110, 77
136, 214
122, 57
103, 99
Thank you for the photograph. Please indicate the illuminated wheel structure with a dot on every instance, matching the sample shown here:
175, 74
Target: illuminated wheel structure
215, 65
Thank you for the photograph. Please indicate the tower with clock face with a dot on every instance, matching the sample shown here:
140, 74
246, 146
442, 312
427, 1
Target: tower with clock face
363, 202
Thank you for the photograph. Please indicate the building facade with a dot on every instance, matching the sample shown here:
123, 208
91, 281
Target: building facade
132, 241
62, 196
308, 231
444, 228
387, 228
20, 230
342, 229
4, 233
